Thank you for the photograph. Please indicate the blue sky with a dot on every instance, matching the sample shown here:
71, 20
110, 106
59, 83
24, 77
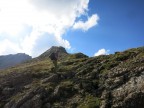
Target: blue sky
121, 26
93, 27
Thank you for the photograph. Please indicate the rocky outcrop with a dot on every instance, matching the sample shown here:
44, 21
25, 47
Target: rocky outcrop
31, 99
124, 87
52, 78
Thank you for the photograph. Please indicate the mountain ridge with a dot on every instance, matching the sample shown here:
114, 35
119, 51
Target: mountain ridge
13, 59
62, 54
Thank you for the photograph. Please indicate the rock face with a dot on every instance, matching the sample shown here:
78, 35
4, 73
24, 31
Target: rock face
60, 50
108, 81
52, 78
12, 60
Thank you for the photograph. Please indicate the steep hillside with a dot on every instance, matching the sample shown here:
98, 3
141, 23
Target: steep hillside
12, 60
108, 81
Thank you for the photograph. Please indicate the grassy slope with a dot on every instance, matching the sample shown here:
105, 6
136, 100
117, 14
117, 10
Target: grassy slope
83, 90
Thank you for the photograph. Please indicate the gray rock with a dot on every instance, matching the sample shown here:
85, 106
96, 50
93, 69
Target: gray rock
35, 102
28, 100
52, 78
57, 91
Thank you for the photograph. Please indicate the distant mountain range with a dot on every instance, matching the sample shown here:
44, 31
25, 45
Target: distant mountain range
13, 59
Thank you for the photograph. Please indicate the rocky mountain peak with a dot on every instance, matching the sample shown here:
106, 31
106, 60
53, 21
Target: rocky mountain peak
55, 49
59, 49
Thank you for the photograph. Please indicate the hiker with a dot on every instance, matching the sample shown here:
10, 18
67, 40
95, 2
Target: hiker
54, 57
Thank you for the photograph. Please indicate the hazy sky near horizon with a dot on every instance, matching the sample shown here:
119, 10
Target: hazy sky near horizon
93, 27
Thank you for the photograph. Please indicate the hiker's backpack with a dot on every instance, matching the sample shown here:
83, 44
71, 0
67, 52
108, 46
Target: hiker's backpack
53, 56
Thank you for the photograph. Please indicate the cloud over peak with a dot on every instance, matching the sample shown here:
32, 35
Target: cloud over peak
49, 18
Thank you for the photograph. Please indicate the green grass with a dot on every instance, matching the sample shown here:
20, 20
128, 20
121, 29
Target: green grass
36, 67
90, 102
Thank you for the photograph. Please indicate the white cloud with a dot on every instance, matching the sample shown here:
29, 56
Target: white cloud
102, 52
51, 17
92, 21
7, 47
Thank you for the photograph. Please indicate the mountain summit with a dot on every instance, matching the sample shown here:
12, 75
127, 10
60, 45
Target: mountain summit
55, 49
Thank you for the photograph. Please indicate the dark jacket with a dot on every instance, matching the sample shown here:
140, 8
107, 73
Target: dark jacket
53, 56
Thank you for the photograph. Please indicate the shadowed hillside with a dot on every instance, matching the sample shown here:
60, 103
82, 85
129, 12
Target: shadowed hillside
12, 60
108, 81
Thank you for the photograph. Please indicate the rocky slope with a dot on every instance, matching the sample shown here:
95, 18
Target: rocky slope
110, 81
13, 59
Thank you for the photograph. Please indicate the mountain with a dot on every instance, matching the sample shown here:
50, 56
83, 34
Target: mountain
62, 54
60, 50
12, 60
107, 81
